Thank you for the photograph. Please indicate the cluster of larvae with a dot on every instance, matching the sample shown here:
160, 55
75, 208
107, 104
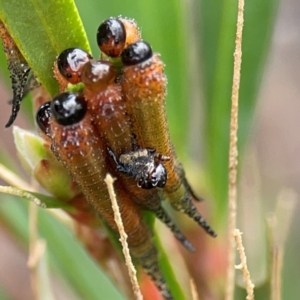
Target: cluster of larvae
117, 124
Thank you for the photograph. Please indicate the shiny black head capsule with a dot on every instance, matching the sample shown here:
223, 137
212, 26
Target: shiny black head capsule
68, 108
43, 116
136, 53
70, 63
111, 37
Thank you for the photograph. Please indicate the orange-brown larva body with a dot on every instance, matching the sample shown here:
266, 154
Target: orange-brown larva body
62, 82
108, 109
82, 152
144, 87
112, 122
80, 149
133, 33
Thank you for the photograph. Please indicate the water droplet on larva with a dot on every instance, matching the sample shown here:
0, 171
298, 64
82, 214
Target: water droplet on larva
37, 201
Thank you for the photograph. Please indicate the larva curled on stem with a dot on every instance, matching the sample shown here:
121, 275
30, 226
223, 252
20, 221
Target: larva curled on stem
144, 88
106, 104
75, 142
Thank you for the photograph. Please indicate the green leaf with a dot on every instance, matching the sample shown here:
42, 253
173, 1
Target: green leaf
41, 30
218, 30
4, 295
66, 254
166, 266
41, 163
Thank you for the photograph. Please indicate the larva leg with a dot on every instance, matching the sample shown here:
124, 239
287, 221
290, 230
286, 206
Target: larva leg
165, 218
180, 170
19, 71
189, 208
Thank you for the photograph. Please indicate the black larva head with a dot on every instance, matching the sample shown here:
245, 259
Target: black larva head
70, 63
111, 37
43, 116
68, 108
136, 53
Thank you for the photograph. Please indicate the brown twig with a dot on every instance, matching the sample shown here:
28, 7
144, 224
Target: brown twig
123, 237
233, 152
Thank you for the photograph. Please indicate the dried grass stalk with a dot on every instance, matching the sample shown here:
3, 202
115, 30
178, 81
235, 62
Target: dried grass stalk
279, 226
194, 292
37, 251
123, 237
243, 265
13, 179
233, 152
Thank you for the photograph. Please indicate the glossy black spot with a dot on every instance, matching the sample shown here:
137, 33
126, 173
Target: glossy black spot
136, 53
70, 62
68, 108
43, 116
159, 176
111, 37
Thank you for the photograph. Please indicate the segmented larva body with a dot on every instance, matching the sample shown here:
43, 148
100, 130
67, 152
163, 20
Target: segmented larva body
79, 148
106, 104
133, 33
18, 68
144, 88
76, 143
104, 100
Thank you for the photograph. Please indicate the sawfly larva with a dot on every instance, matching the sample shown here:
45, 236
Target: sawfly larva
144, 89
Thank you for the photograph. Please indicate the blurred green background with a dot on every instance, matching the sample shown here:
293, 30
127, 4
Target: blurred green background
196, 42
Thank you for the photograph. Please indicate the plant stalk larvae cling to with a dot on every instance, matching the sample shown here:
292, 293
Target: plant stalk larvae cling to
144, 89
107, 107
76, 144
